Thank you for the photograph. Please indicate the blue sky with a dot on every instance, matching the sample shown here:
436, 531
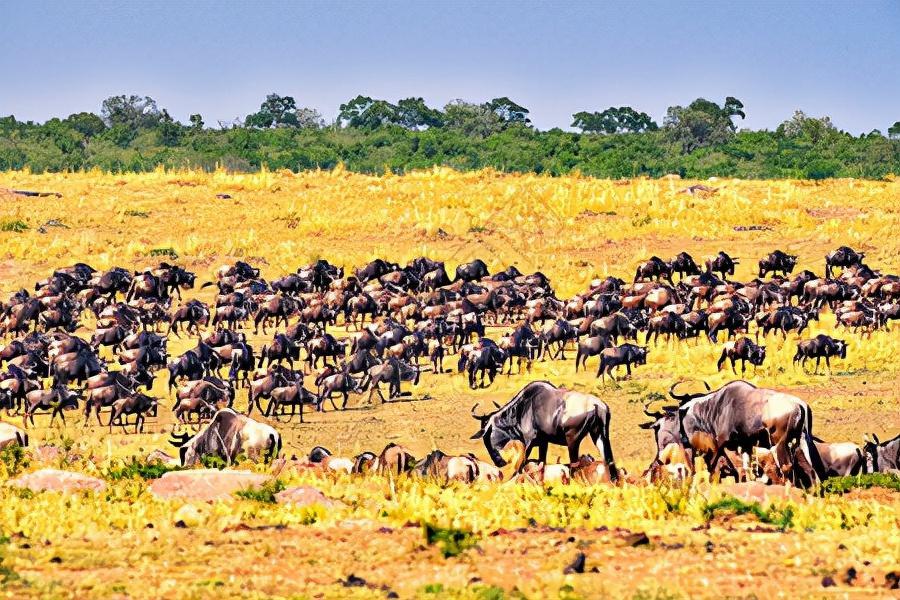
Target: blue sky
221, 58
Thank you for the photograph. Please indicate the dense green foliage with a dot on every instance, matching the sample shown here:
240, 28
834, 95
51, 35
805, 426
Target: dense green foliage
842, 485
371, 136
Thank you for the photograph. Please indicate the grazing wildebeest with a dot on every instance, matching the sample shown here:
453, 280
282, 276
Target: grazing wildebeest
723, 264
743, 350
392, 371
739, 416
10, 435
559, 332
486, 358
614, 326
57, 399
843, 256
777, 262
541, 414
626, 354
472, 271
882, 457
684, 265
227, 436
819, 347
666, 323
324, 347
591, 346
653, 268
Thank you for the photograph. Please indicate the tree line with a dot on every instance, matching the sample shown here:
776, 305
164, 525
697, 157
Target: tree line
701, 139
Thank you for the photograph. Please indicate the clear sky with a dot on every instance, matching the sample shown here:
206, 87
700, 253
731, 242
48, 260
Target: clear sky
221, 58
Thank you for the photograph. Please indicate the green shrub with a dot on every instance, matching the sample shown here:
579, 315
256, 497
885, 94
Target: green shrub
170, 252
135, 469
842, 485
783, 518
14, 226
14, 459
452, 542
264, 493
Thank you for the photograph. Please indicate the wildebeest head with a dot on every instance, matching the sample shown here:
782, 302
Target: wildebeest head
841, 348
495, 436
881, 456
757, 355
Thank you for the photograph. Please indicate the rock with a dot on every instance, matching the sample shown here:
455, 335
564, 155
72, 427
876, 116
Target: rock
162, 458
205, 484
57, 481
188, 516
755, 491
303, 495
828, 581
636, 539
46, 454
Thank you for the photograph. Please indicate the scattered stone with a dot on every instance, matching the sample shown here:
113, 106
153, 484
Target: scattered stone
303, 495
850, 576
205, 484
353, 581
188, 516
892, 580
223, 196
828, 581
755, 491
46, 454
577, 565
57, 481
636, 539
162, 458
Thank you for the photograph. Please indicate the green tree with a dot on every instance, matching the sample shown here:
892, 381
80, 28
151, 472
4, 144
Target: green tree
196, 122
812, 129
275, 111
86, 123
508, 111
132, 112
894, 130
413, 113
169, 130
473, 120
364, 112
703, 123
623, 119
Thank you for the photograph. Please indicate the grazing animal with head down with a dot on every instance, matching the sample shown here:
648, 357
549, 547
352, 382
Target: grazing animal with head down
227, 436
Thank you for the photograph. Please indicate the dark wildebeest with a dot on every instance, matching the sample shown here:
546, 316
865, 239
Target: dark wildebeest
486, 358
788, 318
842, 257
331, 380
882, 457
521, 343
375, 269
76, 366
626, 354
614, 326
133, 404
684, 265
559, 333
739, 416
723, 264
227, 436
294, 396
279, 308
112, 336
591, 346
392, 371
653, 268
472, 271
57, 399
666, 323
819, 347
541, 414
743, 350
777, 262
324, 347
281, 348
194, 313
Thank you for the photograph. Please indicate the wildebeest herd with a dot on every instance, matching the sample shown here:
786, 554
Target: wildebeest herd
406, 320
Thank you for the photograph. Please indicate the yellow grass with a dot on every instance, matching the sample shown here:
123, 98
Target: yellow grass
573, 229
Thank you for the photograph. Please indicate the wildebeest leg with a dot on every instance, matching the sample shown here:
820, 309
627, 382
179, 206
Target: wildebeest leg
828, 363
542, 452
818, 361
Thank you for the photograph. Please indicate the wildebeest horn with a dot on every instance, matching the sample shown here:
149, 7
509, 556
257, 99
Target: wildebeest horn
179, 440
497, 405
474, 406
682, 398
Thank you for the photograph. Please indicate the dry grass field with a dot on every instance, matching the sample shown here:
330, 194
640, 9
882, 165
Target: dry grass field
124, 543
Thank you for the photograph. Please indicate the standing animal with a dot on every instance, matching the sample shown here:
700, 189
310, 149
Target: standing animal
743, 350
723, 264
882, 457
626, 354
819, 347
777, 262
843, 256
541, 414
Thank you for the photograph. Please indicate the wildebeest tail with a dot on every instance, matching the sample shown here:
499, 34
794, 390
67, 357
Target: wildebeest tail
811, 452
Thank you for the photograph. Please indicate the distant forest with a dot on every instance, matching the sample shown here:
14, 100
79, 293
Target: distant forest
699, 140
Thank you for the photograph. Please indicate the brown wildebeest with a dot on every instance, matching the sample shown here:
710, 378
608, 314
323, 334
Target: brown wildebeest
56, 400
819, 347
392, 371
653, 268
591, 346
331, 380
739, 416
743, 350
278, 308
626, 354
293, 396
133, 404
194, 313
723, 264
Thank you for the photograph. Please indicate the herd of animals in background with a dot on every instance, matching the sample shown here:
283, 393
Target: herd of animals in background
402, 316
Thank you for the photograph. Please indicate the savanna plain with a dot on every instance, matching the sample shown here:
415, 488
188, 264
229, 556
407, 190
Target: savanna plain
387, 537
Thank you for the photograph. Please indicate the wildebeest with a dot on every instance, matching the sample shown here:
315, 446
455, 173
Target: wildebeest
777, 262
57, 399
292, 395
722, 263
739, 416
10, 435
331, 380
194, 313
541, 414
472, 271
591, 346
743, 350
882, 457
626, 354
392, 371
843, 256
653, 268
819, 347
684, 265
227, 436
133, 404
486, 358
